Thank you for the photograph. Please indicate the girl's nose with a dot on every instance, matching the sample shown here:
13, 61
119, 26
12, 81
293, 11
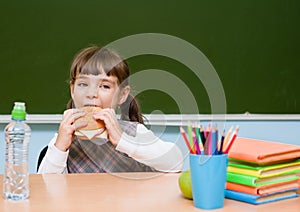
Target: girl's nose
92, 92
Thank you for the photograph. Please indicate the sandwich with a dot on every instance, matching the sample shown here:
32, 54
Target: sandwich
94, 129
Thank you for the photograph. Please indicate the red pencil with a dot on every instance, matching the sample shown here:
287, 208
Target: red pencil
186, 139
231, 141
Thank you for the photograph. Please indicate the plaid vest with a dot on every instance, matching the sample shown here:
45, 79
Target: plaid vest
89, 157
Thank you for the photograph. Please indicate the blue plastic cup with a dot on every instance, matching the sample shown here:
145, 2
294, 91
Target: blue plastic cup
208, 175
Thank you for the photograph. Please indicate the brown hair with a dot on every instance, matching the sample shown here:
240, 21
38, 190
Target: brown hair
96, 60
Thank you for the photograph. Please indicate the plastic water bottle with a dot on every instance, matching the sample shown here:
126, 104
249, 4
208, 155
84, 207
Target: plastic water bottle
17, 136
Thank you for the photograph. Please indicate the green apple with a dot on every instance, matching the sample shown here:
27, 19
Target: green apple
185, 184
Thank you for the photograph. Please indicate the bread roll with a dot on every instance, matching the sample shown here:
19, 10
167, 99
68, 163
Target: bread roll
93, 124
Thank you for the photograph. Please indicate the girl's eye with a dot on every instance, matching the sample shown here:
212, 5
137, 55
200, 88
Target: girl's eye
105, 86
82, 84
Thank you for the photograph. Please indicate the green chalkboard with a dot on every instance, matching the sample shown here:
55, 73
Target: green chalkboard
252, 45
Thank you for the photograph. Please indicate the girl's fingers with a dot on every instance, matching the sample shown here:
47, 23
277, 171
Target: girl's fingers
71, 115
107, 113
68, 127
79, 124
111, 123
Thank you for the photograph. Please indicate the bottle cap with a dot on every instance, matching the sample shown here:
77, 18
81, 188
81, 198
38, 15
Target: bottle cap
19, 111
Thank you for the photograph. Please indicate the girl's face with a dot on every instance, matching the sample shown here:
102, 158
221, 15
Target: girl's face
97, 90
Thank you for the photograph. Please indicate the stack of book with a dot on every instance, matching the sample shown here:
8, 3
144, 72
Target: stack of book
262, 171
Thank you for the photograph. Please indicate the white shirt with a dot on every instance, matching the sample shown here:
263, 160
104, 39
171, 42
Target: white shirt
145, 148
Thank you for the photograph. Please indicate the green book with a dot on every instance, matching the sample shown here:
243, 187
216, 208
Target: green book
256, 181
245, 168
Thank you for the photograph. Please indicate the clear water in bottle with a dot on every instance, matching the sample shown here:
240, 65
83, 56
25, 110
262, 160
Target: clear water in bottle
16, 176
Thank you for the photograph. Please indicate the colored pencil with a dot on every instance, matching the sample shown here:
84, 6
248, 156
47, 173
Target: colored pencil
214, 142
189, 131
227, 138
182, 131
197, 148
207, 146
202, 135
199, 138
231, 140
222, 142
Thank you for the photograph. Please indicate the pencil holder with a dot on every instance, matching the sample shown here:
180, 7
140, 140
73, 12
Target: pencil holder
208, 175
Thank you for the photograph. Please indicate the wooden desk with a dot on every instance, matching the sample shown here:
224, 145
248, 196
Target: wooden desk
107, 192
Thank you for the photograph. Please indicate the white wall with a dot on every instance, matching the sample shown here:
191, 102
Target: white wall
277, 130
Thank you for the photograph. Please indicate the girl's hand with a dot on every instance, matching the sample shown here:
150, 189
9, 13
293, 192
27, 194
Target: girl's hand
68, 127
112, 125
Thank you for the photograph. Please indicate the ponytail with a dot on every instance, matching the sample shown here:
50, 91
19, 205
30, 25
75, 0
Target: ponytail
70, 104
130, 110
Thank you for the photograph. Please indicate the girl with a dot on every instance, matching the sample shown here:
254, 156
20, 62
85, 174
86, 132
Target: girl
99, 77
